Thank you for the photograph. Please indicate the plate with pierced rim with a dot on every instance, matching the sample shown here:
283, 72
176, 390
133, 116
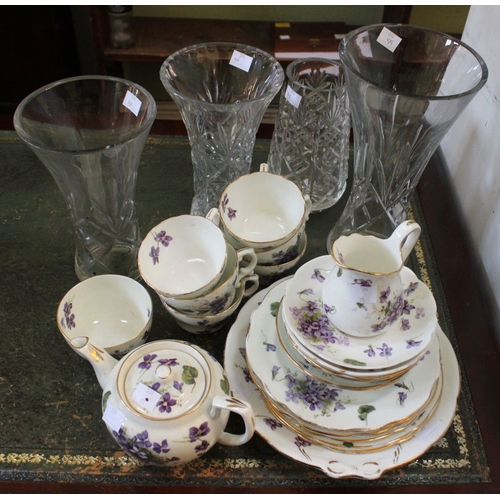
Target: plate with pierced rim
333, 463
305, 318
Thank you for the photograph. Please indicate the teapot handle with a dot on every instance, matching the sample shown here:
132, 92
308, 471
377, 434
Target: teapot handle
406, 234
241, 408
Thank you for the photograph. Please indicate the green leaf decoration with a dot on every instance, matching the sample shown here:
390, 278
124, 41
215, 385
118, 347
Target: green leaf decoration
348, 444
224, 385
105, 399
189, 374
274, 308
339, 272
354, 362
364, 410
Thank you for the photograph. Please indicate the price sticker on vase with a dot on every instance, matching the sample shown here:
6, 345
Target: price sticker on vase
241, 61
132, 102
389, 39
292, 97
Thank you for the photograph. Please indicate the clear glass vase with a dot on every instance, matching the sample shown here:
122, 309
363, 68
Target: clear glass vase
407, 86
89, 132
310, 142
222, 91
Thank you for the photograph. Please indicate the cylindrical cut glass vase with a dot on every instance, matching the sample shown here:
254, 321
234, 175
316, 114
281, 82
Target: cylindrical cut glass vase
310, 142
89, 132
407, 86
222, 91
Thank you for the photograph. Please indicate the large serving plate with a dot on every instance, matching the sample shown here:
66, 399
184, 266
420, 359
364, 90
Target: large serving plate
334, 463
324, 405
306, 320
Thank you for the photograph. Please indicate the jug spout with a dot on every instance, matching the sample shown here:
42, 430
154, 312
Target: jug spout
101, 361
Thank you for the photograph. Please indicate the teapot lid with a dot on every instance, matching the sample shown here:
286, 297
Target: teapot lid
164, 380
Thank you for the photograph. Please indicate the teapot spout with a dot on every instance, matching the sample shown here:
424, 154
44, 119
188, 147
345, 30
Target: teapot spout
98, 357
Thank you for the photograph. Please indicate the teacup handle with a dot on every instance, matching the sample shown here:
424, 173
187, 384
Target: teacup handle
241, 408
253, 288
213, 216
308, 204
249, 257
406, 235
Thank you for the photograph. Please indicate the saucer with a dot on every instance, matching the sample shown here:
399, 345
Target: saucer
307, 322
326, 406
336, 464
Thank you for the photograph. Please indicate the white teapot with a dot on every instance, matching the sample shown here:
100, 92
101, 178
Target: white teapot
166, 402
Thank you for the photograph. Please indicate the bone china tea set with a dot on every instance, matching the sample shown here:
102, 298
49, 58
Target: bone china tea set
339, 362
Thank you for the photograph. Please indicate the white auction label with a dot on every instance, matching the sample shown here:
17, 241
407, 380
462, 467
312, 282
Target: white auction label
241, 61
113, 417
389, 39
292, 97
132, 102
362, 294
146, 396
284, 37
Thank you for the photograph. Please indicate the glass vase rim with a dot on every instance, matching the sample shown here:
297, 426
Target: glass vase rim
331, 62
476, 88
22, 105
234, 45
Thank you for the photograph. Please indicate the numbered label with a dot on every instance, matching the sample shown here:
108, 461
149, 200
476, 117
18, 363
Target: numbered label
389, 39
292, 97
113, 417
146, 396
132, 102
241, 61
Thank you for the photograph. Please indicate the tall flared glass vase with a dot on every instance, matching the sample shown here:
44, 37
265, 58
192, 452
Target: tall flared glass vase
89, 132
222, 91
406, 86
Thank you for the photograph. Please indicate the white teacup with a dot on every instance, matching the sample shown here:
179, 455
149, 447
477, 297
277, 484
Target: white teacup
112, 311
209, 323
183, 256
262, 210
240, 263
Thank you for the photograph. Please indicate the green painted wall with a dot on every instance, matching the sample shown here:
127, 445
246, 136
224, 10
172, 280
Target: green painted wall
447, 18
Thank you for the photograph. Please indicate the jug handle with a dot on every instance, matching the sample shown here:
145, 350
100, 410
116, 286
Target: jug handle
241, 408
406, 234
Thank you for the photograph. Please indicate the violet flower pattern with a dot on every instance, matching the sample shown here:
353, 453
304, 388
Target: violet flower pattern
314, 395
161, 238
312, 321
141, 447
196, 435
231, 212
68, 321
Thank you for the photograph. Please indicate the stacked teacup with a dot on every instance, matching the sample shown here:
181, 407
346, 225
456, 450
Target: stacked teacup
199, 277
268, 213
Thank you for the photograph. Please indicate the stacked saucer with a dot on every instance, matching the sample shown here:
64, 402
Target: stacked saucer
344, 393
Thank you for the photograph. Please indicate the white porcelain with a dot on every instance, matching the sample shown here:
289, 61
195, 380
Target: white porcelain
209, 323
283, 253
323, 405
112, 310
263, 210
183, 256
333, 463
364, 293
316, 371
275, 271
306, 319
167, 402
240, 263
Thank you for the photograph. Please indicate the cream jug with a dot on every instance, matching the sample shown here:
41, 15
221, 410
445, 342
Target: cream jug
363, 293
